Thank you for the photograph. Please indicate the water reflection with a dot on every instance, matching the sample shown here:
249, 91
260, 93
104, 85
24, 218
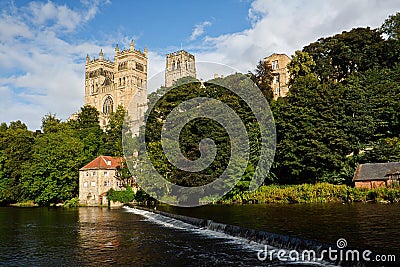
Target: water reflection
98, 235
102, 237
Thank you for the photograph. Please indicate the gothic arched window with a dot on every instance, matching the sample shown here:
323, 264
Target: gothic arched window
178, 64
108, 105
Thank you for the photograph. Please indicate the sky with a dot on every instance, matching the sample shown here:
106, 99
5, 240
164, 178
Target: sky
43, 44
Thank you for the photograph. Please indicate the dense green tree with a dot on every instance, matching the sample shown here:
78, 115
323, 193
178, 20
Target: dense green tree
53, 172
87, 129
311, 138
88, 117
15, 150
262, 77
301, 65
113, 135
50, 123
339, 56
200, 128
391, 27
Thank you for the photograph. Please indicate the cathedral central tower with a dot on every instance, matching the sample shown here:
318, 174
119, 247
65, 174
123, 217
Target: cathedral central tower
178, 65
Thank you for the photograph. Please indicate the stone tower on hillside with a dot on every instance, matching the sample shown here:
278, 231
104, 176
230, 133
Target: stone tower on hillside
178, 65
280, 82
112, 83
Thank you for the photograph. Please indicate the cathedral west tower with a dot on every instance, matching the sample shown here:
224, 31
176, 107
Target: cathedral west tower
112, 83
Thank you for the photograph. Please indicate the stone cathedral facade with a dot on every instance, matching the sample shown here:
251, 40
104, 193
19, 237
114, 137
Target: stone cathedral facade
112, 83
178, 65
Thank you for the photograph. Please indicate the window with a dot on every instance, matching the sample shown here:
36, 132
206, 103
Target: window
93, 173
139, 66
278, 91
275, 65
106, 183
106, 173
93, 183
108, 105
276, 79
85, 184
86, 174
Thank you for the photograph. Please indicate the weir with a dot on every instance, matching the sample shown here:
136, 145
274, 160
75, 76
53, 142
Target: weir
272, 240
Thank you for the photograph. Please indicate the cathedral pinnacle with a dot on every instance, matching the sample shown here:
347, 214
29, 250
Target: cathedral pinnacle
132, 45
101, 54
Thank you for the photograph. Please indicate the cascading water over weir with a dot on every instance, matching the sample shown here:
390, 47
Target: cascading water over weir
258, 238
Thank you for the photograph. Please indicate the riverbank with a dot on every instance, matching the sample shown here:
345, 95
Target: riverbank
316, 193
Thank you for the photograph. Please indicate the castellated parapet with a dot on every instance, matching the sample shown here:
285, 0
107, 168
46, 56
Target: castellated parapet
112, 83
178, 65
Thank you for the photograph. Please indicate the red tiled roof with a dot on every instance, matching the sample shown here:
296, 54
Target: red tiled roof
103, 162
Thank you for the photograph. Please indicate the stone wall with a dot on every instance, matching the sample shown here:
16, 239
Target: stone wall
370, 184
94, 184
280, 82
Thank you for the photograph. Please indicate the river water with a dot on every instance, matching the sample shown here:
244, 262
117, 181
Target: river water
102, 237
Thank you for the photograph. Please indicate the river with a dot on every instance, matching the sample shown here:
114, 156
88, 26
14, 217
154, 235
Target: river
102, 237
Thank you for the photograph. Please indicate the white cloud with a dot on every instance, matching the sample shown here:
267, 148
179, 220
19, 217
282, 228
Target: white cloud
199, 30
285, 26
41, 72
39, 66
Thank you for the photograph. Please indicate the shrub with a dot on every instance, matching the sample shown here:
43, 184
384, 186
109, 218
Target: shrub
123, 196
72, 203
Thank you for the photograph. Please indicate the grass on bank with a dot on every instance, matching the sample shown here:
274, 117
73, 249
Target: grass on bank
317, 193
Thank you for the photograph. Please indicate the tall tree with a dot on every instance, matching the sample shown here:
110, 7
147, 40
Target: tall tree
339, 56
262, 77
15, 150
50, 123
53, 172
113, 134
88, 130
302, 64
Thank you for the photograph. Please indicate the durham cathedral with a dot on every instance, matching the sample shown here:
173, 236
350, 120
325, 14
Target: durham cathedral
123, 81
109, 84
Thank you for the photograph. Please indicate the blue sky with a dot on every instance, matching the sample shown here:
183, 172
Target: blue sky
43, 44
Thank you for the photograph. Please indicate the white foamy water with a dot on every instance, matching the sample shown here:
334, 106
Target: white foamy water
244, 243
